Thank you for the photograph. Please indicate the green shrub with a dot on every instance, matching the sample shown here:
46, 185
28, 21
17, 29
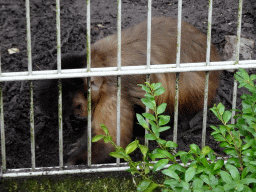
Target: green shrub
200, 170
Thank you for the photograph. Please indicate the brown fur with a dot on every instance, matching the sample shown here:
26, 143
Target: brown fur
134, 43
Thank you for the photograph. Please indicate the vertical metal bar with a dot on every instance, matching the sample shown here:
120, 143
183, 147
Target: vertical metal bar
206, 88
176, 105
59, 84
2, 130
88, 34
239, 24
118, 110
29, 53
205, 107
148, 53
28, 37
58, 36
60, 125
149, 33
176, 108
89, 122
89, 91
32, 127
179, 33
3, 154
118, 117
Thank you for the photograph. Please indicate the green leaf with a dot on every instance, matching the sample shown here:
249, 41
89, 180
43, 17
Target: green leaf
151, 187
107, 139
143, 149
163, 119
185, 186
239, 187
197, 183
97, 138
171, 144
117, 155
253, 77
160, 164
157, 85
231, 152
215, 112
148, 103
153, 127
159, 91
157, 156
234, 161
145, 88
189, 174
205, 178
219, 137
172, 183
149, 96
221, 108
228, 187
161, 108
211, 156
144, 185
177, 167
246, 146
233, 171
218, 165
195, 149
142, 121
215, 128
149, 116
166, 153
226, 177
225, 144
161, 129
248, 181
105, 129
227, 116
204, 162
131, 147
161, 141
206, 150
171, 174
223, 130
213, 180
150, 137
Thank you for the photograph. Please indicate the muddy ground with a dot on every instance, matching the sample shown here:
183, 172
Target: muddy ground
73, 38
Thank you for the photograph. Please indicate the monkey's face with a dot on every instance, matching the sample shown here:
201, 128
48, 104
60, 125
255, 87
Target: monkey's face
79, 106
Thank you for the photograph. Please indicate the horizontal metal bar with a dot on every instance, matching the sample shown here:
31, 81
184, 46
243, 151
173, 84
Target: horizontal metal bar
126, 70
27, 172
76, 169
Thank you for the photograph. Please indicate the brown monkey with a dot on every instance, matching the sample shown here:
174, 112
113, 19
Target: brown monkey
134, 43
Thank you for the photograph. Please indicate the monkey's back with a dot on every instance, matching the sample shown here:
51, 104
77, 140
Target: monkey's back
163, 51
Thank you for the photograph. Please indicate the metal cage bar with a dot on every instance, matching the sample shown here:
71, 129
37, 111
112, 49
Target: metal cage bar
89, 89
239, 25
118, 106
148, 55
126, 70
206, 88
58, 33
29, 54
176, 104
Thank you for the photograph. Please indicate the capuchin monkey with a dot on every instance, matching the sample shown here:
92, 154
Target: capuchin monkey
104, 89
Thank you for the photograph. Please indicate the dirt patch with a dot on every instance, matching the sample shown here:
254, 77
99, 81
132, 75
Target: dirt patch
73, 36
